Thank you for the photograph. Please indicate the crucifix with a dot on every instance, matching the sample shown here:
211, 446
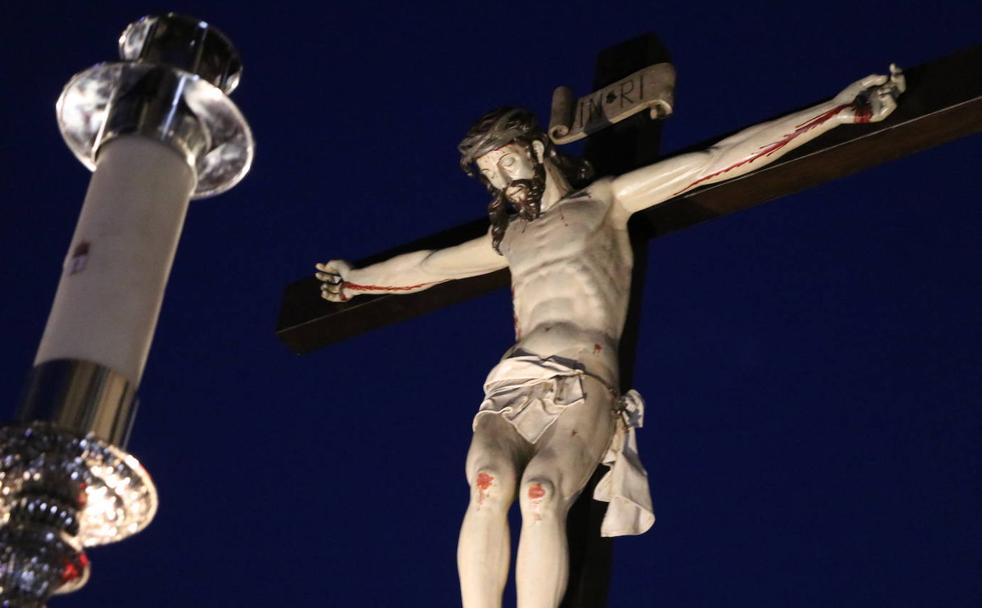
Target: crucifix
546, 420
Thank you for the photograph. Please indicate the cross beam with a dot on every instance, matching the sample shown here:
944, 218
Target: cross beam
943, 102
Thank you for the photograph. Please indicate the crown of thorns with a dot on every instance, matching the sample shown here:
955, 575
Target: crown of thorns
496, 129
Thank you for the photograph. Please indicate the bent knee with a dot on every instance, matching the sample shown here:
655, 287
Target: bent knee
490, 489
538, 496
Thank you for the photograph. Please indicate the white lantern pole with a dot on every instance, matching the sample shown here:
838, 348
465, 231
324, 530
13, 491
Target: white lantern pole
157, 129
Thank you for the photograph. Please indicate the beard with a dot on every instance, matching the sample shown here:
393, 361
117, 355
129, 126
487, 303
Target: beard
525, 195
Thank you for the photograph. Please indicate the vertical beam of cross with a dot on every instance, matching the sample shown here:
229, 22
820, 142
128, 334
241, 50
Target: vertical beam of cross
622, 147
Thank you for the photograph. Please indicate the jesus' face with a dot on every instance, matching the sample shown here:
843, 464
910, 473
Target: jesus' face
516, 170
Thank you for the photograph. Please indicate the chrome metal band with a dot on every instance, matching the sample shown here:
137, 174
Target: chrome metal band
185, 43
174, 49
81, 397
172, 86
149, 101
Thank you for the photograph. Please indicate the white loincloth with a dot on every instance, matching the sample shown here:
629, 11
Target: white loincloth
531, 393
625, 486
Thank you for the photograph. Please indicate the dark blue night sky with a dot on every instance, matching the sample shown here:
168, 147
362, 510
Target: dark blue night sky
812, 367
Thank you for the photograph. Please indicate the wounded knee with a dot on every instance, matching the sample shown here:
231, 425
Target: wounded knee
486, 488
538, 492
485, 479
538, 501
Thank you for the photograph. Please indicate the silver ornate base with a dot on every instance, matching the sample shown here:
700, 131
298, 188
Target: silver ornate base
36, 562
60, 493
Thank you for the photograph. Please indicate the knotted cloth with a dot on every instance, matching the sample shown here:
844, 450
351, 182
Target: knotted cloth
531, 393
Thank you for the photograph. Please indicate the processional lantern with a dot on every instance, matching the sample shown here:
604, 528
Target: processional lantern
157, 129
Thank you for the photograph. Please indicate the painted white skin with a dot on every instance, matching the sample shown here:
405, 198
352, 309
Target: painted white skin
570, 272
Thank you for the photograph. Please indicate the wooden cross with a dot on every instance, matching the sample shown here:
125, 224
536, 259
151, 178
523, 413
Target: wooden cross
943, 102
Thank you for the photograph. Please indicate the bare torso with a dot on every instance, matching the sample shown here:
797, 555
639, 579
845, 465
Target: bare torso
571, 274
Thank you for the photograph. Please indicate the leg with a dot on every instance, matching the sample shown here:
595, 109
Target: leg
566, 457
496, 455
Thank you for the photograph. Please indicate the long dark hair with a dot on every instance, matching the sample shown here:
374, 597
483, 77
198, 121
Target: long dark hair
505, 126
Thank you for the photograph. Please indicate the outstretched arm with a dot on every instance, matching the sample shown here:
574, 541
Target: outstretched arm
868, 100
409, 272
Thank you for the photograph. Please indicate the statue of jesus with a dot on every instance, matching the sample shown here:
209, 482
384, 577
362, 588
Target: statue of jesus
553, 409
